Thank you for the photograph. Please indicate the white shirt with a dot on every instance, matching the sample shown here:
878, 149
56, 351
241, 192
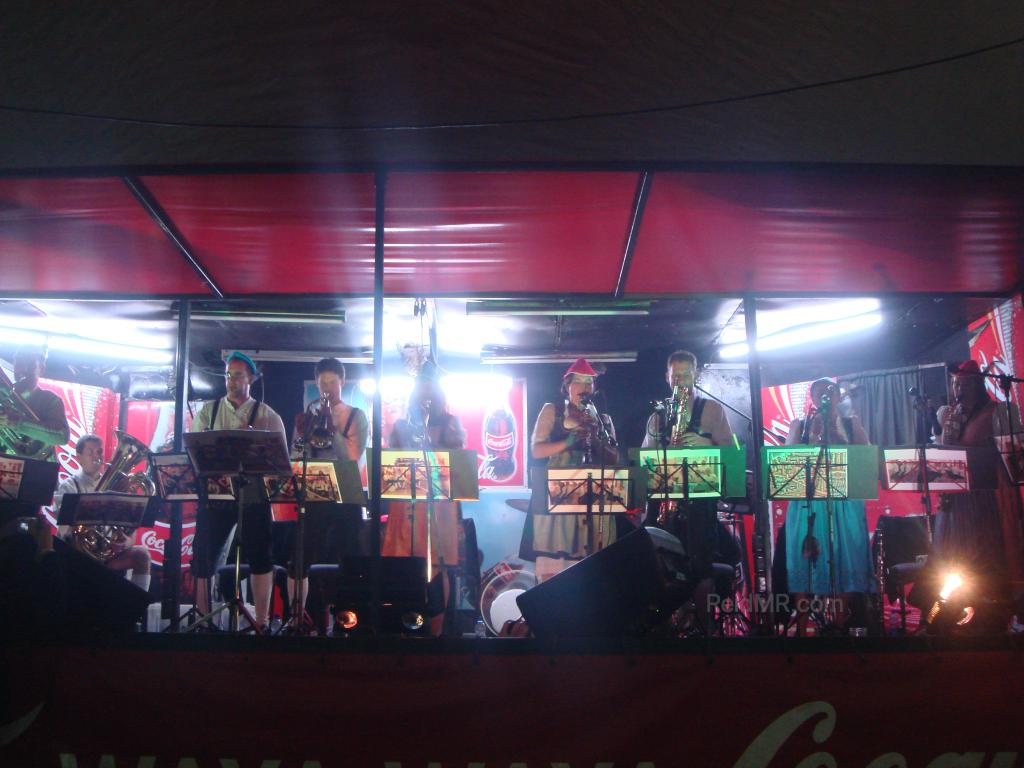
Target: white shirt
230, 417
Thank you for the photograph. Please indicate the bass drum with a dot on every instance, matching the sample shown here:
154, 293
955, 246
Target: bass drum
502, 584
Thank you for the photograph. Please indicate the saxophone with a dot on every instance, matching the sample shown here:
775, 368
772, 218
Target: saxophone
681, 397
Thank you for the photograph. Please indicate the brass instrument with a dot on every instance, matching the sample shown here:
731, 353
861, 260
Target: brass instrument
12, 441
681, 398
102, 542
321, 432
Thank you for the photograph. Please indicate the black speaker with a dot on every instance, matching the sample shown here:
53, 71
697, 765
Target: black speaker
99, 600
622, 590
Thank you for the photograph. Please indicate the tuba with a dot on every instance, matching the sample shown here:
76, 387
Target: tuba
11, 440
102, 542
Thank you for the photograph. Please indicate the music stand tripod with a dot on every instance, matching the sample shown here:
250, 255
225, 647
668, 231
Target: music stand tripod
245, 455
300, 622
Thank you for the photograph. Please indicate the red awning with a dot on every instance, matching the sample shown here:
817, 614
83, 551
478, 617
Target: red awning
809, 230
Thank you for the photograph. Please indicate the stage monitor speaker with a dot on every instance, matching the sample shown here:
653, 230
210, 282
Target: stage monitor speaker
99, 600
617, 591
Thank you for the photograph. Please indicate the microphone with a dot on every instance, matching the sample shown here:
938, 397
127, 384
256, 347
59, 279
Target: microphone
587, 398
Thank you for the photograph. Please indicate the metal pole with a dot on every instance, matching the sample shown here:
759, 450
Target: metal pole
762, 540
172, 551
380, 187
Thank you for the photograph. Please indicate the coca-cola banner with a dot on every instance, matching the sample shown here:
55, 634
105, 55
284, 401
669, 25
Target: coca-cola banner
997, 343
90, 410
507, 703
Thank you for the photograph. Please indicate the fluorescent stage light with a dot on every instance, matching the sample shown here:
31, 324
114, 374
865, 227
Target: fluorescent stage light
292, 356
256, 316
494, 357
804, 334
89, 347
773, 321
547, 308
143, 334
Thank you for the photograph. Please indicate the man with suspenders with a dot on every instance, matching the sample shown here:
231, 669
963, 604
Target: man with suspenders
236, 410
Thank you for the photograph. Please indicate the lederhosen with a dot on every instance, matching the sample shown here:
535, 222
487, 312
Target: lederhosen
214, 523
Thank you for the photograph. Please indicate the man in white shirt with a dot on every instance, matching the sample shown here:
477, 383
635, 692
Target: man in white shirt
236, 410
89, 451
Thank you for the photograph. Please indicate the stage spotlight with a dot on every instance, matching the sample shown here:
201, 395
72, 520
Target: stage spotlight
413, 621
347, 620
947, 611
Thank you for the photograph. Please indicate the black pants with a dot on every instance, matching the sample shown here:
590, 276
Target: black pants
213, 526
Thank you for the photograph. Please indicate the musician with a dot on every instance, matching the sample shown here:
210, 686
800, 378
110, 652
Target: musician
973, 531
346, 428
430, 425
236, 410
692, 421
569, 433
52, 428
89, 452
707, 424
807, 538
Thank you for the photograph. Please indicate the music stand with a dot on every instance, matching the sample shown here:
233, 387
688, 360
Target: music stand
576, 490
126, 510
26, 482
243, 454
317, 487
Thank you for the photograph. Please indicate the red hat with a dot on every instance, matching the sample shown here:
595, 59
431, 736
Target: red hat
966, 368
581, 367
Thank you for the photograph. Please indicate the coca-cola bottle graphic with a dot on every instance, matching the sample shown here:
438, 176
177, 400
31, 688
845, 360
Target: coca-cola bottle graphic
499, 445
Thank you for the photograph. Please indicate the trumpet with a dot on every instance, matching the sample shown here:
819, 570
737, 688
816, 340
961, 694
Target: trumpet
320, 434
13, 404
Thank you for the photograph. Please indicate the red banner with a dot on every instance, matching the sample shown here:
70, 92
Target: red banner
504, 706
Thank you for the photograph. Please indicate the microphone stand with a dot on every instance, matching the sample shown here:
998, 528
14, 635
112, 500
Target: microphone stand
921, 405
298, 618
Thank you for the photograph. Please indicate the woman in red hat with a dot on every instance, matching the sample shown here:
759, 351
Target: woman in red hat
568, 433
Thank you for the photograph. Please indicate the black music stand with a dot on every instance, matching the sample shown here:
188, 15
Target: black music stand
578, 487
126, 510
243, 454
25, 483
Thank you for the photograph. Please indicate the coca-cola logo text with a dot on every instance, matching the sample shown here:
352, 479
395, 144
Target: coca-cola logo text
500, 442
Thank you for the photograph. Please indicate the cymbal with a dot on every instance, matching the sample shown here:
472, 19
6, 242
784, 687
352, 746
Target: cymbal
520, 505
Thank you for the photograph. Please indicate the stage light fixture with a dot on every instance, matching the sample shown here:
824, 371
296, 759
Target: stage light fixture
510, 357
347, 620
89, 347
565, 309
947, 612
804, 334
257, 316
292, 356
413, 621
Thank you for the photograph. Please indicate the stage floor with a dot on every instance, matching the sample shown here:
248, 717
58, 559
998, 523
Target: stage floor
209, 700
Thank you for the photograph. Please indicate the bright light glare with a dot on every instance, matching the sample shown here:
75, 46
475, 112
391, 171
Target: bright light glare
804, 335
772, 321
952, 583
89, 347
368, 386
113, 331
347, 620
476, 390
968, 615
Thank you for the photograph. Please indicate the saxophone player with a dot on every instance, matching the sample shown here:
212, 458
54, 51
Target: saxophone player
690, 421
89, 452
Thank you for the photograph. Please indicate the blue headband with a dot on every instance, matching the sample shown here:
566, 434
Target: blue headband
236, 355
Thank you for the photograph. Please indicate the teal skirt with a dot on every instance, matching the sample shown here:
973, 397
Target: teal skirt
853, 569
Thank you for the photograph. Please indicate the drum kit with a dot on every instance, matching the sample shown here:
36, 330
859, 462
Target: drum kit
503, 583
